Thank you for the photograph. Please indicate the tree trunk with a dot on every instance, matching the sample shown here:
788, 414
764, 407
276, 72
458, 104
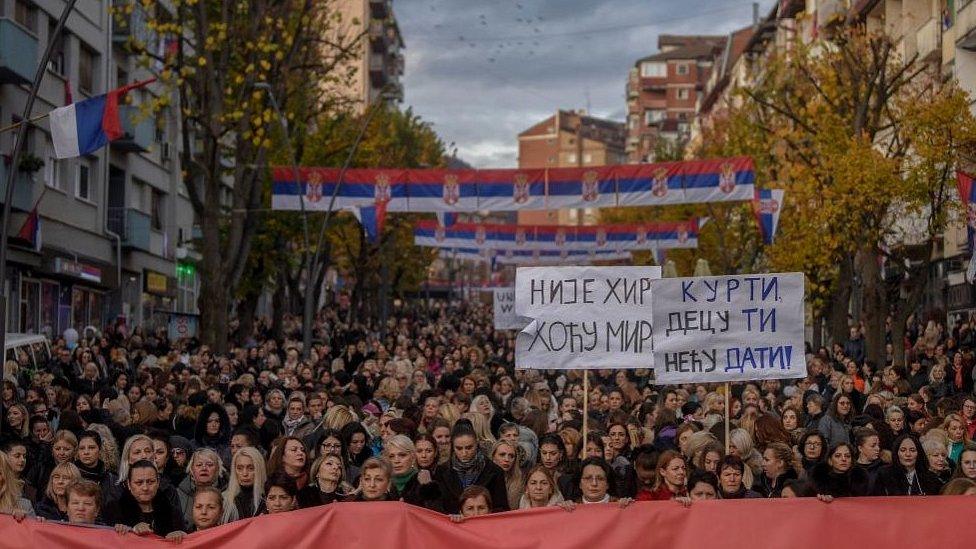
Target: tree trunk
874, 305
840, 304
214, 299
817, 332
278, 304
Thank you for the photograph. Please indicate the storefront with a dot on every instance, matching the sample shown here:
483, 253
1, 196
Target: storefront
62, 293
158, 299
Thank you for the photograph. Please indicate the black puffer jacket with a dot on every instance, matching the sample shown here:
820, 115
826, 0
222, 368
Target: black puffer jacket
491, 477
854, 482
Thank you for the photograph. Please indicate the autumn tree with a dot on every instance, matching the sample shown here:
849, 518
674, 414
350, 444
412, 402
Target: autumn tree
864, 143
217, 62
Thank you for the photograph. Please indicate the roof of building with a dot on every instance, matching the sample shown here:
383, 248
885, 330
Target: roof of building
679, 40
597, 129
699, 50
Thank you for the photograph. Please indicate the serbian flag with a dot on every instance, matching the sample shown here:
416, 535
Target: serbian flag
30, 231
967, 193
767, 206
446, 219
372, 218
86, 126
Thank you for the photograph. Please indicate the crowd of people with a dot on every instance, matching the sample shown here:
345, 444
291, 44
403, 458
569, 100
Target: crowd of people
133, 431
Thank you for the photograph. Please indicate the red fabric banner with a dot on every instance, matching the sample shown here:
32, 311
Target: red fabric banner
856, 523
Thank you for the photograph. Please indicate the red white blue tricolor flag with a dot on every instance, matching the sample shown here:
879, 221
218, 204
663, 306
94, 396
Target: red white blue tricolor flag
534, 257
767, 205
439, 190
967, 193
510, 236
84, 127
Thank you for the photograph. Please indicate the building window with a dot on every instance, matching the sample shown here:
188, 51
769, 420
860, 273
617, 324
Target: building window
26, 14
83, 184
137, 200
587, 158
86, 69
682, 68
652, 69
30, 300
55, 171
571, 158
683, 93
56, 64
157, 209
652, 116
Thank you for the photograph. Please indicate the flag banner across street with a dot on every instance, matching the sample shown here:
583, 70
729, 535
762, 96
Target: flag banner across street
584, 317
535, 257
617, 236
442, 190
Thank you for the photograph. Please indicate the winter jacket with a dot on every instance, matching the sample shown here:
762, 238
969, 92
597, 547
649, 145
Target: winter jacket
492, 478
312, 496
834, 430
164, 518
892, 481
48, 509
772, 488
422, 495
854, 482
105, 479
871, 474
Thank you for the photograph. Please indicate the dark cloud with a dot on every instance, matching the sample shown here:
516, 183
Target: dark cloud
484, 70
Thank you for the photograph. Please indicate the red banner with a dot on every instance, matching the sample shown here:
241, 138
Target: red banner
856, 523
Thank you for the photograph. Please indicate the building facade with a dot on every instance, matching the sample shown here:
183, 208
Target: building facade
663, 92
116, 224
375, 72
569, 139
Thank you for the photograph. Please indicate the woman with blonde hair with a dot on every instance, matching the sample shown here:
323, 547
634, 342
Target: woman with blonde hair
449, 413
110, 448
338, 417
955, 427
11, 488
245, 490
388, 391
482, 428
540, 490
505, 455
136, 448
697, 442
327, 482
63, 446
54, 504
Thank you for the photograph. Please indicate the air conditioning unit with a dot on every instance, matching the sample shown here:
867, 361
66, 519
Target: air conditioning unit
165, 151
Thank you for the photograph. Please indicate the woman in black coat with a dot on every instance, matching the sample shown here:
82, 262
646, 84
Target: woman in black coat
908, 474
467, 466
838, 476
412, 484
143, 507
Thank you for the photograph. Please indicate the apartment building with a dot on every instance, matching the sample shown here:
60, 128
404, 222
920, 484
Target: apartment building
116, 224
377, 70
663, 92
569, 139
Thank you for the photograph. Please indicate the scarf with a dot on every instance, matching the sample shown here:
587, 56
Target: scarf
400, 481
292, 424
958, 378
468, 472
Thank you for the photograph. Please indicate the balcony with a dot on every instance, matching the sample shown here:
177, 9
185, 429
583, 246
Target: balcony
128, 26
395, 92
18, 53
830, 12
23, 198
377, 70
138, 130
379, 9
927, 41
378, 37
654, 84
132, 226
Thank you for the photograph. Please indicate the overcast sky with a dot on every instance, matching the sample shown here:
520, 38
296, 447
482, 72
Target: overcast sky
484, 70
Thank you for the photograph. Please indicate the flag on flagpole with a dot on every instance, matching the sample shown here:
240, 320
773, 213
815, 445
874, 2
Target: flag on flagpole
84, 127
767, 206
446, 219
967, 193
30, 231
372, 218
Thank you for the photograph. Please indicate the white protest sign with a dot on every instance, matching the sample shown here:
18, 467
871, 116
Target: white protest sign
584, 317
503, 307
728, 328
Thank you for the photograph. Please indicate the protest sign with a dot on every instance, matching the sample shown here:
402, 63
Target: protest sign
503, 307
728, 328
584, 317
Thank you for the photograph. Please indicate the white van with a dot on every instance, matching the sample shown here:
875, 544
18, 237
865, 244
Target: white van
35, 347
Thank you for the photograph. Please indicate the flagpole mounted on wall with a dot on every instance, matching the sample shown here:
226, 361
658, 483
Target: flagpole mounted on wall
15, 159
